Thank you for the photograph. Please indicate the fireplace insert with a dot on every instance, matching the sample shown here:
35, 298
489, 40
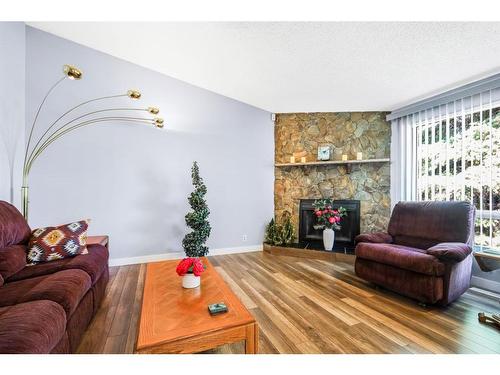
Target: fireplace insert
309, 237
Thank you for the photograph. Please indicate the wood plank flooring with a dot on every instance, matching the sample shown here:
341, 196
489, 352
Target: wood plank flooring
308, 306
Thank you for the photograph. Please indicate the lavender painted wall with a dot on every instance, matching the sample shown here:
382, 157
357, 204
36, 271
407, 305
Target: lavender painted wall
133, 180
12, 60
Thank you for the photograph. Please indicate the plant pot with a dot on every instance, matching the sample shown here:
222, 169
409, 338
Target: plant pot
190, 281
328, 238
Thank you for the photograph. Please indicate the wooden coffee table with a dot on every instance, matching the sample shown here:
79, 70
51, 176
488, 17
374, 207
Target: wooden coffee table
176, 320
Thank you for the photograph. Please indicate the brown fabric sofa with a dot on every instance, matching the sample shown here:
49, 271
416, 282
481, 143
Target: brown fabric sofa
426, 253
45, 308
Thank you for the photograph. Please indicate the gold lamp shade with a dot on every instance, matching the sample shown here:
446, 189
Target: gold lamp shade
72, 72
153, 110
133, 94
158, 121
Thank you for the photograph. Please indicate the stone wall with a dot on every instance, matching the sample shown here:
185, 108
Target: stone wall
346, 133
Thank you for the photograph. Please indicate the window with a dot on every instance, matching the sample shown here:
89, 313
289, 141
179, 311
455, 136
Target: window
458, 158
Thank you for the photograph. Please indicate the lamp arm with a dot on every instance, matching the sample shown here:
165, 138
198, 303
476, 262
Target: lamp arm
60, 117
78, 118
36, 118
61, 129
54, 137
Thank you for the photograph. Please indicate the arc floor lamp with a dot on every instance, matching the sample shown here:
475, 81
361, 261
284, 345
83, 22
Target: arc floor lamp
64, 125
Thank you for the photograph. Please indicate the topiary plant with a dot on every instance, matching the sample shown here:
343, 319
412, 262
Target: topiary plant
194, 241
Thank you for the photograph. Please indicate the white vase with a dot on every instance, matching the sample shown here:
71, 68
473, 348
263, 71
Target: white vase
190, 281
328, 238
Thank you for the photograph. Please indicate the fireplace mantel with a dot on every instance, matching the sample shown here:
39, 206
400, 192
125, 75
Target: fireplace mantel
347, 163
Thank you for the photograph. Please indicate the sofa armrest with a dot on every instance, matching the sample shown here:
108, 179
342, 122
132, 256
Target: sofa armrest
450, 251
376, 237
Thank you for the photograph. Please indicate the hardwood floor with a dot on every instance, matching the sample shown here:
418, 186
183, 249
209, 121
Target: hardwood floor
308, 306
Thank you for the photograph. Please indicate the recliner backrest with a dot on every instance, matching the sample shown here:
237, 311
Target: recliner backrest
425, 224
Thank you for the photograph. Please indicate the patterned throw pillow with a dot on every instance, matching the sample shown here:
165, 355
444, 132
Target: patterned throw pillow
53, 243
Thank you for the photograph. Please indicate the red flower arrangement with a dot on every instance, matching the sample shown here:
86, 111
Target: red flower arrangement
190, 265
326, 216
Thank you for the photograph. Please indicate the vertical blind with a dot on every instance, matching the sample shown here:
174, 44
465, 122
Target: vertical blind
403, 160
452, 152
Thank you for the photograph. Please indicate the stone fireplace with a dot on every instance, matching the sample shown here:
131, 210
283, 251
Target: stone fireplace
346, 133
309, 237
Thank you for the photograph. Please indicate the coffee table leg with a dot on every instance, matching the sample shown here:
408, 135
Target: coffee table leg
256, 338
252, 339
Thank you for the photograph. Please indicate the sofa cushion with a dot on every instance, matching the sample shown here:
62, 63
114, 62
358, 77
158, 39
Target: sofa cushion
12, 260
34, 327
407, 258
14, 230
434, 222
66, 288
93, 263
53, 243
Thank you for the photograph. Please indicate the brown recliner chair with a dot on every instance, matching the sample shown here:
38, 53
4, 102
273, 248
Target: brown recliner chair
426, 253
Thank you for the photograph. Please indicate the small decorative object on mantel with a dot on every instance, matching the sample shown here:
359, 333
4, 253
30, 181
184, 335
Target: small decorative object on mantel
328, 219
344, 157
359, 156
297, 155
303, 159
292, 159
190, 269
324, 153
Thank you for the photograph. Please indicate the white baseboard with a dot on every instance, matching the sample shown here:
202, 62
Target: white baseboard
484, 293
479, 282
179, 255
144, 259
235, 250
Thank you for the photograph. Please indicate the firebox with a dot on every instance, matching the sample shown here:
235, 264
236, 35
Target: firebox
344, 238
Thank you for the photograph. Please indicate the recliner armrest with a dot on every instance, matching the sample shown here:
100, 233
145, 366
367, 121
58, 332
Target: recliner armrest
376, 237
450, 251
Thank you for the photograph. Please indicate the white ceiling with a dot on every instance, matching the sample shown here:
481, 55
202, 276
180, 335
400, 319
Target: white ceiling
303, 67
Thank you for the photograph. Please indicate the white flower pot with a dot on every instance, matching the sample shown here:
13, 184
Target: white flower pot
328, 238
189, 281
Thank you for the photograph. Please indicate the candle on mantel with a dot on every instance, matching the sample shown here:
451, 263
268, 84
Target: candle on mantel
359, 156
344, 157
292, 159
303, 159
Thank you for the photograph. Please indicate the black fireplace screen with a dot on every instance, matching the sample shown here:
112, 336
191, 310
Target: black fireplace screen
349, 224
